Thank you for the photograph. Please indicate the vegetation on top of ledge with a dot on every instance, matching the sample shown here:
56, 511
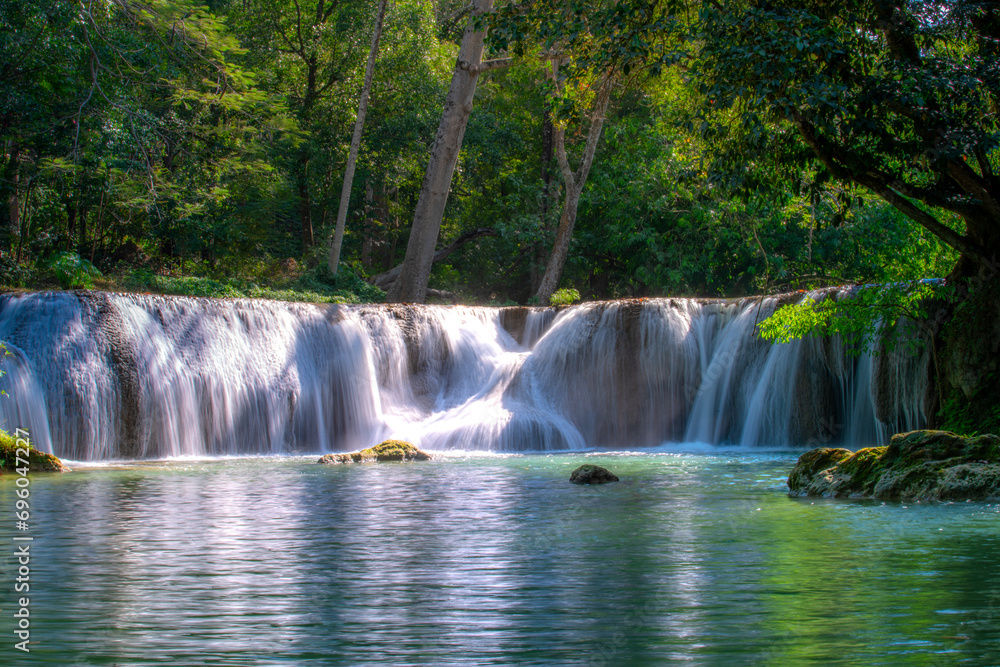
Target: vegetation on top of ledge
920, 465
37, 461
387, 450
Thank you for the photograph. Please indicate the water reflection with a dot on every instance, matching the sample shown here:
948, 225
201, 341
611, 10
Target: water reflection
498, 561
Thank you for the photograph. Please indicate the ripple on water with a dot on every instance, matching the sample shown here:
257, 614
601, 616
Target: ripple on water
497, 560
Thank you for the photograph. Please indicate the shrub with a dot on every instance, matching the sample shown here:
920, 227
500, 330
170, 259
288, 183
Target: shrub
564, 297
72, 271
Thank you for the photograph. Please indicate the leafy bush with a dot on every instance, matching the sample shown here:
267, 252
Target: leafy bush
72, 271
13, 274
564, 297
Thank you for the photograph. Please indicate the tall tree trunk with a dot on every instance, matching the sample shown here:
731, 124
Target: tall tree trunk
574, 187
10, 224
82, 230
538, 252
305, 206
70, 223
14, 207
368, 232
416, 268
359, 124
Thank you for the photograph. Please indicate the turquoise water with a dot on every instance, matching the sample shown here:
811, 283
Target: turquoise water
478, 560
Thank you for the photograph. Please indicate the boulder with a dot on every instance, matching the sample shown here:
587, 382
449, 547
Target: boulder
37, 461
920, 465
589, 474
389, 450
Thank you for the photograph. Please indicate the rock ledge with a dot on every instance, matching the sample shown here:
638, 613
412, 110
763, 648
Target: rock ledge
920, 465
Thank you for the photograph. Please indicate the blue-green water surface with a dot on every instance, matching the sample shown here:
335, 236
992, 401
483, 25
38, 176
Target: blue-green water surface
485, 560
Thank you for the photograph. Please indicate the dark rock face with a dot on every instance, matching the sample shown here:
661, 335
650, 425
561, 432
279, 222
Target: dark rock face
588, 474
389, 450
920, 465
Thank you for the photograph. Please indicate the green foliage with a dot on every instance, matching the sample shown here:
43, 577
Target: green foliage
566, 296
198, 138
15, 274
970, 418
898, 98
861, 318
72, 271
36, 461
311, 288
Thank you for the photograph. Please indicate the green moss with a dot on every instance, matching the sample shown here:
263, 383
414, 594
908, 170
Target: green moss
932, 465
813, 462
37, 461
865, 467
388, 450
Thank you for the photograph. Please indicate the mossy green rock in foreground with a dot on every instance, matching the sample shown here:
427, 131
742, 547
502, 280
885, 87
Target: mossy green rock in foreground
37, 461
920, 465
390, 450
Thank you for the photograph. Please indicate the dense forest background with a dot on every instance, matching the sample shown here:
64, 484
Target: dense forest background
171, 146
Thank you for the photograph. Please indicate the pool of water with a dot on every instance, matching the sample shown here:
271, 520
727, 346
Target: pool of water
480, 560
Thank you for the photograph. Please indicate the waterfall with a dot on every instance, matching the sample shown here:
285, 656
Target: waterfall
100, 376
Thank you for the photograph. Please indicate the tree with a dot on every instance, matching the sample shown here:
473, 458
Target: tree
305, 52
898, 97
359, 124
411, 285
599, 48
573, 181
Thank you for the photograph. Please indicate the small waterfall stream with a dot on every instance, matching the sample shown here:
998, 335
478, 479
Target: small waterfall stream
99, 376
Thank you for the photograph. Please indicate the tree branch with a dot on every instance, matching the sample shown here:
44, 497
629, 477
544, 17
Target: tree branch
892, 192
383, 280
485, 66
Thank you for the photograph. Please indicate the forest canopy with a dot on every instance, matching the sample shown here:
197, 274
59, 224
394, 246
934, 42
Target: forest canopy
716, 149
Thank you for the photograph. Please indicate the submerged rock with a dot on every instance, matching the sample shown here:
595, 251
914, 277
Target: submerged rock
588, 474
37, 461
389, 450
920, 465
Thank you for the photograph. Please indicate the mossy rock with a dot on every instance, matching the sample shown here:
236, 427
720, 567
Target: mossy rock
37, 461
920, 465
591, 474
389, 450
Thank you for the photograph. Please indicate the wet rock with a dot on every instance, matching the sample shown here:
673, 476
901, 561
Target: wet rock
590, 474
920, 465
37, 461
389, 450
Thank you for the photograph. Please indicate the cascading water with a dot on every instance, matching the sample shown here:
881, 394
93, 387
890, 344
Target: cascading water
97, 376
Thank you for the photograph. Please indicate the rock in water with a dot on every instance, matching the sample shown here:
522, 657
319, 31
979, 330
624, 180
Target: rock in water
920, 465
389, 450
588, 474
37, 461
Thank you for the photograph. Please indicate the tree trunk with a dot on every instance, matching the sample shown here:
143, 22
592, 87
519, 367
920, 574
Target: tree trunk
574, 187
368, 231
14, 208
538, 252
984, 232
411, 286
11, 226
305, 207
345, 194
70, 224
391, 276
